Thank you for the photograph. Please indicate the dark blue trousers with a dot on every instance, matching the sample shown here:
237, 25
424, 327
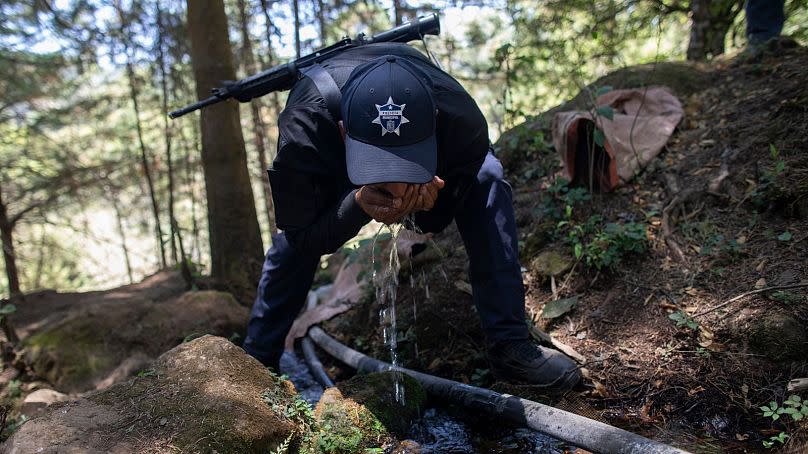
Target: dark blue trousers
764, 20
486, 224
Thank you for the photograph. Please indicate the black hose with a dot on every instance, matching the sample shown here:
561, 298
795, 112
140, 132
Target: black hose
574, 429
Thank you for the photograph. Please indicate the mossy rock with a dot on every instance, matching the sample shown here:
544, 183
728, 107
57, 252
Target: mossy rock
76, 353
779, 337
205, 396
538, 238
363, 413
551, 263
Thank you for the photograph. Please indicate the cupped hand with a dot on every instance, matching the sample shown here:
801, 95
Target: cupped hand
390, 202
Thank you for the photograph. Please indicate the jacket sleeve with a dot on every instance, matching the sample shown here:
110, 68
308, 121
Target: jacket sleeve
312, 227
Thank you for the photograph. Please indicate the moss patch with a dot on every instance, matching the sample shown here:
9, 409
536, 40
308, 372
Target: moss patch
77, 352
362, 413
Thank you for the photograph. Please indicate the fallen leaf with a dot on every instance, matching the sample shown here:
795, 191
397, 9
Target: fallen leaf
760, 283
695, 390
463, 286
760, 266
558, 308
434, 364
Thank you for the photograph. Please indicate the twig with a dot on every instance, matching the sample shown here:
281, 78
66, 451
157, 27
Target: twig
750, 293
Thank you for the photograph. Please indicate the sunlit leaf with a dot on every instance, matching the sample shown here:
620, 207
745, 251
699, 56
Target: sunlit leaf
558, 308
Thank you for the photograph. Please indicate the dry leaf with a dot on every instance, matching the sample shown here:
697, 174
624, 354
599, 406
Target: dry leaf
760, 283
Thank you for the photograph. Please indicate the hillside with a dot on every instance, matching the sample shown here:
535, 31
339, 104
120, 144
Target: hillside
680, 336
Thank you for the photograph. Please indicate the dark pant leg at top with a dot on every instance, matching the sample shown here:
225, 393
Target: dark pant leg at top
764, 20
285, 281
487, 225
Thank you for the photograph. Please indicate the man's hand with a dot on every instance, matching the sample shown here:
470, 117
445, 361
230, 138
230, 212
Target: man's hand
390, 202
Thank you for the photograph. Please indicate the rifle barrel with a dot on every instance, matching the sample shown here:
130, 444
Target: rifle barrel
194, 106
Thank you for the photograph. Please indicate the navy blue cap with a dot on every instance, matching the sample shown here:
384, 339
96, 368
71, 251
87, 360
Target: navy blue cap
389, 118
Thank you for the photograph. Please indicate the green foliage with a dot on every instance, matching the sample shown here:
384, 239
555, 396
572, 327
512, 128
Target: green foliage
794, 406
683, 319
604, 246
787, 297
147, 373
7, 309
13, 389
598, 244
769, 187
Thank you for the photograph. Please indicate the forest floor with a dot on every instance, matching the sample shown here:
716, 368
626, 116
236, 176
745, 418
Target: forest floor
651, 306
725, 213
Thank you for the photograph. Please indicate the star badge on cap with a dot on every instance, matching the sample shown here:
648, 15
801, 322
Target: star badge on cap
391, 117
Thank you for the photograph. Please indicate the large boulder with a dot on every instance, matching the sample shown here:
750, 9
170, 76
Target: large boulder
203, 396
363, 413
98, 343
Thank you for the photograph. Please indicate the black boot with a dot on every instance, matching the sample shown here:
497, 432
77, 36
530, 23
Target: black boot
524, 361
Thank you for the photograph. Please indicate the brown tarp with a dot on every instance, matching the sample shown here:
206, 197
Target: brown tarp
352, 281
643, 121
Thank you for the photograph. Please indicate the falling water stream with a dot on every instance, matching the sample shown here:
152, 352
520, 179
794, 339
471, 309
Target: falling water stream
386, 282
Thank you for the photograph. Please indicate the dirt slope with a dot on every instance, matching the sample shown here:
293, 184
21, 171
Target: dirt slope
724, 211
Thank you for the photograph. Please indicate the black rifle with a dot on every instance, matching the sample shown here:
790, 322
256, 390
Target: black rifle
282, 77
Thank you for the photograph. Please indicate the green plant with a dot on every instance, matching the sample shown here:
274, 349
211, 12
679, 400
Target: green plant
683, 319
14, 389
779, 438
768, 188
605, 247
7, 309
147, 373
794, 406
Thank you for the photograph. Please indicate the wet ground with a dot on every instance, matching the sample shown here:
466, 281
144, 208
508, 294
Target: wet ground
441, 430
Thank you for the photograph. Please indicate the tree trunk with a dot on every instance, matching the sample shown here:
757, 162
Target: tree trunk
235, 238
710, 22
7, 243
176, 237
398, 12
144, 158
321, 13
296, 10
122, 233
7, 236
259, 129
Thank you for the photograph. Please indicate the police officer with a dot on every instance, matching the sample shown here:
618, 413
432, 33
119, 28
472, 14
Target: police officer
378, 132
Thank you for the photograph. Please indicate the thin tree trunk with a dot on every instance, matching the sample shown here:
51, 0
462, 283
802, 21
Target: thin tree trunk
9, 256
7, 242
235, 238
172, 219
122, 233
321, 13
296, 10
40, 260
144, 159
259, 129
710, 22
197, 244
398, 12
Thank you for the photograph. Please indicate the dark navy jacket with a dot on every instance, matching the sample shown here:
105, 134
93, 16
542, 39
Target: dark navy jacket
314, 199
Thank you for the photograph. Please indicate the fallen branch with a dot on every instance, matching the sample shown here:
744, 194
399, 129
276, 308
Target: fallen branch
798, 385
541, 336
750, 293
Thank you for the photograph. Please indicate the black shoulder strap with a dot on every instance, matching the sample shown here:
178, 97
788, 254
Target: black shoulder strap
327, 87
